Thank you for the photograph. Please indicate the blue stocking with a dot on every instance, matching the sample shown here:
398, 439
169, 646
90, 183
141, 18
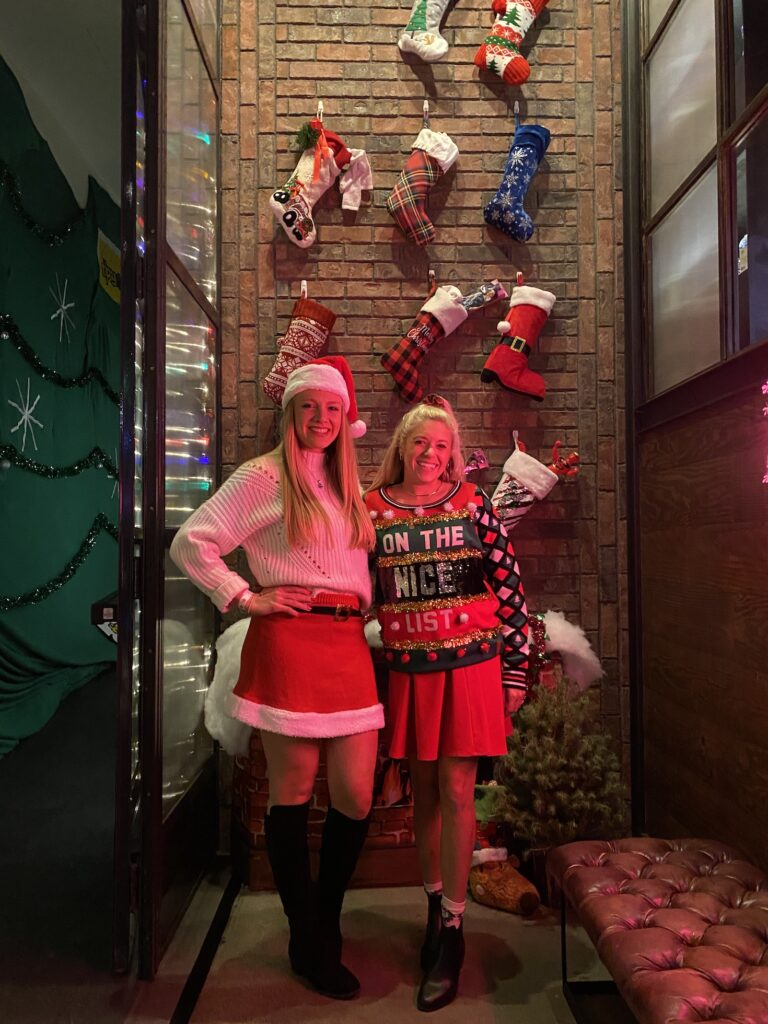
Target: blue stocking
505, 211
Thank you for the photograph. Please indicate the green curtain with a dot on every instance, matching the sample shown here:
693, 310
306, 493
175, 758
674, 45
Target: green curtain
59, 351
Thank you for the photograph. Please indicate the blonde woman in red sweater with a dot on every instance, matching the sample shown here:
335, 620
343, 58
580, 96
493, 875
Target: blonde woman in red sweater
306, 674
455, 634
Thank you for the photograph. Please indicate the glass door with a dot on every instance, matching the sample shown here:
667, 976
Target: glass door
166, 776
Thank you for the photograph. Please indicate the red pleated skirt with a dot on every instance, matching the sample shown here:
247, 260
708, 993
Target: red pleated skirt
459, 713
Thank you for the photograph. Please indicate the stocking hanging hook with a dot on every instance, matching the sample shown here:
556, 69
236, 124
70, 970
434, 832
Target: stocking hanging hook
425, 108
516, 112
303, 289
320, 110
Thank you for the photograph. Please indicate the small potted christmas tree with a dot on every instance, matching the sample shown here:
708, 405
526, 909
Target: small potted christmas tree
559, 781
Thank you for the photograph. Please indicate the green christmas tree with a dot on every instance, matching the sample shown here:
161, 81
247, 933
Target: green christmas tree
418, 19
512, 17
560, 779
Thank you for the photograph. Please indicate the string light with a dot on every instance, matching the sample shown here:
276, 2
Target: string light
96, 458
37, 594
9, 331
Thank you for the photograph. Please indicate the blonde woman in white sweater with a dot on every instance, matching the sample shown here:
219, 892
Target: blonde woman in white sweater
306, 673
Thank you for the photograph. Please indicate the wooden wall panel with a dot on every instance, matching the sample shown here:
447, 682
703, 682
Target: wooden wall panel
703, 525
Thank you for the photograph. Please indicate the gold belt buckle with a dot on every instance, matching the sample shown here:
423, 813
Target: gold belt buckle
343, 612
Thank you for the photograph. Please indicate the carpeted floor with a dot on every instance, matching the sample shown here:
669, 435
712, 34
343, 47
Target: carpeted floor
511, 973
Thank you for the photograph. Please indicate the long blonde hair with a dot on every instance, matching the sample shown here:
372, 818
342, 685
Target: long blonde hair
303, 512
391, 470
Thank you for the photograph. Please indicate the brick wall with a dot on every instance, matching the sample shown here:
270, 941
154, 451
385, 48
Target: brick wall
278, 60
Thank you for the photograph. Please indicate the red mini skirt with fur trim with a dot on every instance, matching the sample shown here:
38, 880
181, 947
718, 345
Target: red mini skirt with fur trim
459, 713
307, 675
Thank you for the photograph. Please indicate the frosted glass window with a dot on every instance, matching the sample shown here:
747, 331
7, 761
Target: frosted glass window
187, 629
684, 284
752, 236
206, 14
191, 154
750, 50
654, 12
190, 412
682, 109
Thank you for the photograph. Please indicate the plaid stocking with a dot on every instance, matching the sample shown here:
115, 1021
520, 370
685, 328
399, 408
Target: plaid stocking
500, 52
422, 33
445, 309
305, 339
505, 211
432, 155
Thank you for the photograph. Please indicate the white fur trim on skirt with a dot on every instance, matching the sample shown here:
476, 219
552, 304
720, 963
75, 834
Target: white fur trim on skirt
308, 724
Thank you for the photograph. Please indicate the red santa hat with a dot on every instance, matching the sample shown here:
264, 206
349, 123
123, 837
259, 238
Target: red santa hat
330, 373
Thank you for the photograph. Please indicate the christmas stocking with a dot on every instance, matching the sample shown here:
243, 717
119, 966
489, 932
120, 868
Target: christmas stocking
323, 159
529, 309
305, 339
524, 481
432, 155
422, 33
445, 309
500, 52
505, 211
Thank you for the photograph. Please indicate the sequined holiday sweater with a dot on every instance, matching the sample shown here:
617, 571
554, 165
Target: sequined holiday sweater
448, 587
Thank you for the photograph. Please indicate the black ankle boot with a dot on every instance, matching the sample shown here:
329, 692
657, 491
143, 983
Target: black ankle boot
285, 829
441, 982
431, 946
343, 840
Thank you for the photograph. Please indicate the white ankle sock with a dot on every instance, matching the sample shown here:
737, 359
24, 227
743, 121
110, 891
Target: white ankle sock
453, 912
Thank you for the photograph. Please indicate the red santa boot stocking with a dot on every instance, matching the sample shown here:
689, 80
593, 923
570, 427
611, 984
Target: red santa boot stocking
432, 155
324, 158
445, 309
529, 309
306, 339
500, 52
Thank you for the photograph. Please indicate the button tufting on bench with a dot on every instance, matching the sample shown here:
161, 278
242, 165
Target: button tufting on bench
682, 925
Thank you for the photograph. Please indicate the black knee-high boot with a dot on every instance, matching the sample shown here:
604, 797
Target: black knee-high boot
343, 840
285, 829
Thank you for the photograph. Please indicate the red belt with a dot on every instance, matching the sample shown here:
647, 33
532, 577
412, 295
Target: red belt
341, 606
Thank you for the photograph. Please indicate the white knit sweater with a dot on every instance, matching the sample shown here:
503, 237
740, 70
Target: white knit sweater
247, 512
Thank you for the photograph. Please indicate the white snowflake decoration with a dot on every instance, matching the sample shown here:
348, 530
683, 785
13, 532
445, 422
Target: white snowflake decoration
517, 157
63, 307
27, 419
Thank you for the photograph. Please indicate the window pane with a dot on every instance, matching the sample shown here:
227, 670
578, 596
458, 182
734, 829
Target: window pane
187, 629
192, 153
206, 15
684, 285
750, 50
682, 110
752, 236
654, 12
190, 388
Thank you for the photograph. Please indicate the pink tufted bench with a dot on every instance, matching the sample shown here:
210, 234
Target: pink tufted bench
681, 924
